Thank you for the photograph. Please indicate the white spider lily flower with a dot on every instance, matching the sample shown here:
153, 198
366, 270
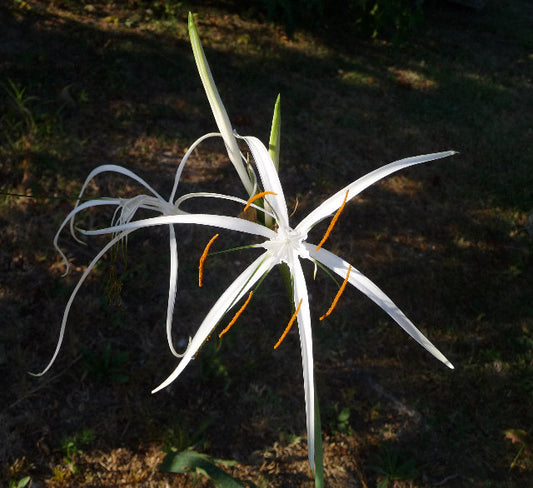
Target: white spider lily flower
286, 244
126, 210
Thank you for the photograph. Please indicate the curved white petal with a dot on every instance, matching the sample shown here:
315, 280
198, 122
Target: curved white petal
172, 288
221, 221
306, 345
204, 194
366, 286
227, 300
333, 203
113, 168
221, 196
95, 260
70, 217
184, 160
269, 178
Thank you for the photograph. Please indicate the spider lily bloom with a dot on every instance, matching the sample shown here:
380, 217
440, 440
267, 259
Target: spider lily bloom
287, 245
126, 210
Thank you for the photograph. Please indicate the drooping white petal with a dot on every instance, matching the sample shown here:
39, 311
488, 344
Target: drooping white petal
269, 178
172, 288
227, 300
203, 194
70, 217
220, 221
86, 273
184, 160
366, 286
217, 107
332, 204
306, 346
113, 168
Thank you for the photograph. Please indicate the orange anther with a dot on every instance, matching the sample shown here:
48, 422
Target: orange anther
338, 295
255, 197
236, 316
333, 221
203, 258
288, 328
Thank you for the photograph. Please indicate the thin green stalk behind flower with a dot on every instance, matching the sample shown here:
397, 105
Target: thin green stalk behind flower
319, 454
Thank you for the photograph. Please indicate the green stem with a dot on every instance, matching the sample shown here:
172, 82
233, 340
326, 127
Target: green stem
319, 453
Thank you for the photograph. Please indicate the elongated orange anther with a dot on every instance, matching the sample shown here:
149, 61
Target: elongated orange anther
338, 295
255, 197
236, 316
333, 221
288, 328
203, 258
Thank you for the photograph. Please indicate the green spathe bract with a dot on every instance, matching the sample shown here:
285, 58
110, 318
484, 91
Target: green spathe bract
275, 133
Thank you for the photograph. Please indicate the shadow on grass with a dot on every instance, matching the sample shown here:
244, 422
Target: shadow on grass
447, 242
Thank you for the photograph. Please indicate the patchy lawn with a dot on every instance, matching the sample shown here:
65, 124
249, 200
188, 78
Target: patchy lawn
84, 84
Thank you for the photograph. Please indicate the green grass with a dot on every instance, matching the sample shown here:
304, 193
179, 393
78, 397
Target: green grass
447, 242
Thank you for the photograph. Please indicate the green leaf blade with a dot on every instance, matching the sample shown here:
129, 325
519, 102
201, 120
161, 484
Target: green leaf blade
195, 462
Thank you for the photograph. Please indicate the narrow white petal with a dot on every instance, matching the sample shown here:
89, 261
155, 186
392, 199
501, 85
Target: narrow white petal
366, 286
220, 221
113, 168
227, 300
70, 218
204, 194
172, 288
184, 160
306, 345
332, 204
269, 178
220, 196
97, 258
110, 168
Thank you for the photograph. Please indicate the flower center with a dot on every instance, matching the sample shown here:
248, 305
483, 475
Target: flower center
287, 241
